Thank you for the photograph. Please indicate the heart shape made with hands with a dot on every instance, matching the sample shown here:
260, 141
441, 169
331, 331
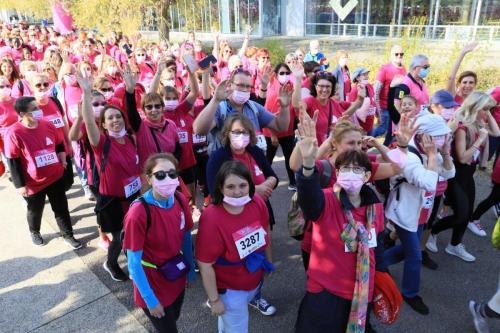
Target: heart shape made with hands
343, 10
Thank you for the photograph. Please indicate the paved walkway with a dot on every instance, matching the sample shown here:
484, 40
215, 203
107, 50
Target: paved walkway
49, 288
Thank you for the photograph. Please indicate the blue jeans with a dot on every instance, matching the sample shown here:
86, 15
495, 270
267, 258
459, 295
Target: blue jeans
409, 251
235, 317
383, 125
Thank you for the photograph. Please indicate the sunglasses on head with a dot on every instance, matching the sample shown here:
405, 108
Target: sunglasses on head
161, 175
150, 107
96, 104
41, 84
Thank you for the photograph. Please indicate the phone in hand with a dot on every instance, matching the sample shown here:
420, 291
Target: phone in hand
190, 62
205, 62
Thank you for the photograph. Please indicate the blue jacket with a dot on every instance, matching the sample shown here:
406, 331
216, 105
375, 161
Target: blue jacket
224, 154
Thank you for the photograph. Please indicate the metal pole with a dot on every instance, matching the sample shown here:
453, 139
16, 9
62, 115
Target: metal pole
394, 8
368, 14
400, 16
436, 17
476, 19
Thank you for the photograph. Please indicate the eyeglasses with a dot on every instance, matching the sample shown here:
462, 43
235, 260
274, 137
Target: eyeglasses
161, 175
399, 54
356, 169
41, 84
239, 132
150, 107
107, 89
426, 66
96, 104
284, 73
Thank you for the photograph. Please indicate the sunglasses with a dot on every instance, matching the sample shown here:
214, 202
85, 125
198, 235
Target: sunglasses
399, 54
107, 89
41, 84
161, 175
150, 107
140, 55
284, 73
426, 66
96, 104
266, 58
1, 87
228, 51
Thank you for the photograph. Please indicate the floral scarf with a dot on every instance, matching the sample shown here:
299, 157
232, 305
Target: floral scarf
355, 237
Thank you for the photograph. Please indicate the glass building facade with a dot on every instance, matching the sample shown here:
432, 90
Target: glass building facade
370, 18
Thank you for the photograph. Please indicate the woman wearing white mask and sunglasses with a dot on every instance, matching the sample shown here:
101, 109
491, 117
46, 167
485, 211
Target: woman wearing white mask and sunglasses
157, 238
8, 115
233, 246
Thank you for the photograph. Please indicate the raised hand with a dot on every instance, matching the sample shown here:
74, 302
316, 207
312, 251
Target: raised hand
297, 69
285, 95
248, 30
469, 47
428, 145
361, 91
306, 133
265, 76
222, 91
162, 64
129, 77
407, 129
84, 81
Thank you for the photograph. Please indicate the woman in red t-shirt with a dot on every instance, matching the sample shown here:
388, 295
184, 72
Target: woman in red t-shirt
322, 91
347, 240
233, 246
8, 115
158, 233
117, 164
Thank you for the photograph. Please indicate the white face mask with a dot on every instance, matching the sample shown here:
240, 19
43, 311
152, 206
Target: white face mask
168, 83
283, 79
343, 62
171, 105
140, 59
237, 202
364, 82
5, 92
37, 114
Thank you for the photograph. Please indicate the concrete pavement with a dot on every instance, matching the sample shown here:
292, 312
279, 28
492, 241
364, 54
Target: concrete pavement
51, 289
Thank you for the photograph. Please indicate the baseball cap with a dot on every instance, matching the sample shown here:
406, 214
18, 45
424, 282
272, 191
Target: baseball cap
358, 71
444, 98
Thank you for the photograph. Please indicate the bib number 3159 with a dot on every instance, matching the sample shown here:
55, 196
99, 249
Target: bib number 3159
249, 239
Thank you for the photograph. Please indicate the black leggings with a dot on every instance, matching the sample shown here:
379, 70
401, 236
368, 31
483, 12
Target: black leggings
435, 209
487, 203
200, 172
114, 249
460, 193
287, 144
167, 323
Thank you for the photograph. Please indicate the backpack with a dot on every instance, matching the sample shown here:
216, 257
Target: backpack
213, 136
148, 217
296, 221
386, 298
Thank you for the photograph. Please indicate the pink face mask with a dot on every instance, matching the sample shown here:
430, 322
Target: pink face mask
283, 79
165, 187
239, 141
171, 105
439, 141
351, 182
447, 114
70, 79
237, 202
119, 134
240, 97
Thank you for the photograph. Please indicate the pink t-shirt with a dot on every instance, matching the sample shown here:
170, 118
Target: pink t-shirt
385, 75
324, 123
273, 105
72, 98
166, 136
8, 116
418, 91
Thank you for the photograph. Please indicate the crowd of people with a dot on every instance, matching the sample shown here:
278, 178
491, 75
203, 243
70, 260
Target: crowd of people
377, 168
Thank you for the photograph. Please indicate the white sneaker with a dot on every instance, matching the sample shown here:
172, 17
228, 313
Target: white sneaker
459, 251
476, 228
480, 322
431, 244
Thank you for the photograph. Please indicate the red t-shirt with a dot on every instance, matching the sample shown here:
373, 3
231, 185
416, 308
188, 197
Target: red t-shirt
8, 116
36, 147
257, 174
330, 266
459, 99
307, 239
184, 123
163, 241
324, 110
273, 105
385, 75
52, 113
166, 136
121, 169
215, 240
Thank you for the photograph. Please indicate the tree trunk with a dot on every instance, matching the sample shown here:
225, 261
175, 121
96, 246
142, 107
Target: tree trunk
163, 20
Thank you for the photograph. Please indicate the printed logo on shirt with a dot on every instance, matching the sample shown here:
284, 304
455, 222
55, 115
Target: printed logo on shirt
183, 124
257, 171
401, 94
183, 221
48, 142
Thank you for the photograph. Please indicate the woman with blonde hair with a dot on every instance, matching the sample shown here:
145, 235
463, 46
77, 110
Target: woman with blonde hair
471, 126
342, 74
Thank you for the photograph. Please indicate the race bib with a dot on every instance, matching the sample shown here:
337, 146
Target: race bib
372, 240
57, 121
261, 141
183, 136
44, 158
249, 239
197, 139
428, 201
132, 186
